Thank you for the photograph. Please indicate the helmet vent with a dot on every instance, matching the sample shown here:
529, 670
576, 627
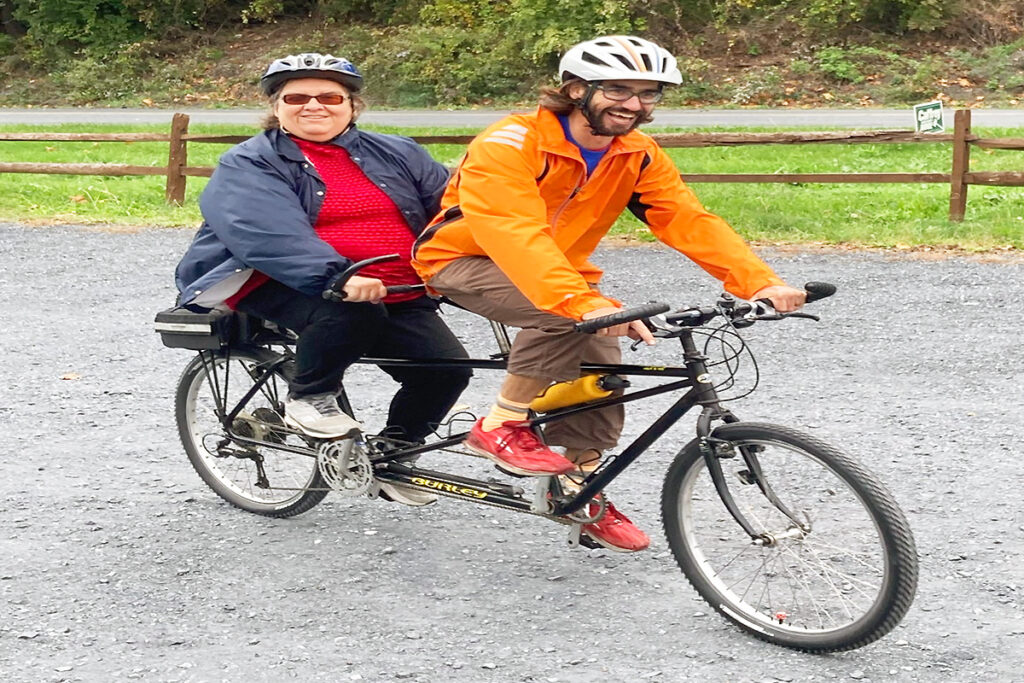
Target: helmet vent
625, 62
591, 59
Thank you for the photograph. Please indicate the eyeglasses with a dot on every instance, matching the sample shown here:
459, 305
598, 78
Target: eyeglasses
299, 98
618, 93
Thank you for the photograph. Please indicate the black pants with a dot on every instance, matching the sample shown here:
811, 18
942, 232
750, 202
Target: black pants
333, 335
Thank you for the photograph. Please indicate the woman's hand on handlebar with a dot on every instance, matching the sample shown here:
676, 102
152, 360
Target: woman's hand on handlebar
359, 289
635, 330
783, 297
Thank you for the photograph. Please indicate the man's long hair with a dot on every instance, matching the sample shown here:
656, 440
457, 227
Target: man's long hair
557, 100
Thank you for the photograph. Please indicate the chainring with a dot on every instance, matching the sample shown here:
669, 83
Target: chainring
345, 466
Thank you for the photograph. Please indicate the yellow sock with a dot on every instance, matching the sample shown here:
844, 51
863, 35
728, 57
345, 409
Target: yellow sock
585, 459
504, 411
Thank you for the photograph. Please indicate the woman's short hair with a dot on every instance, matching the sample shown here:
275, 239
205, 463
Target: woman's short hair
270, 120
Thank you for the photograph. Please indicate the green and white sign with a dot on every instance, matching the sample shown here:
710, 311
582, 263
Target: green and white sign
928, 117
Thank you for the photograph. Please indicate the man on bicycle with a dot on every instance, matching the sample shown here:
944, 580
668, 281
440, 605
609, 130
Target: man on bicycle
531, 200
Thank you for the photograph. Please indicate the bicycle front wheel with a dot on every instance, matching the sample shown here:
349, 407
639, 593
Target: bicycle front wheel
256, 472
835, 566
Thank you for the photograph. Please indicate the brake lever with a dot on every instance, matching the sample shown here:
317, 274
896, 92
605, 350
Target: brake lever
659, 328
772, 314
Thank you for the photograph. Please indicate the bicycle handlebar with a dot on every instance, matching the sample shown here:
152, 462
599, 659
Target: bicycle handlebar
404, 289
626, 315
336, 291
744, 314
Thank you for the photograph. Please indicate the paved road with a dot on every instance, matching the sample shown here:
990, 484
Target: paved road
823, 118
116, 562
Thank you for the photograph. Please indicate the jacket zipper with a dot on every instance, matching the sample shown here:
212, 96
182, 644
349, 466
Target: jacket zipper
575, 191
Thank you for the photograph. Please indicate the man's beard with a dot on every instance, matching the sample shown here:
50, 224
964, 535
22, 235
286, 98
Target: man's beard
595, 117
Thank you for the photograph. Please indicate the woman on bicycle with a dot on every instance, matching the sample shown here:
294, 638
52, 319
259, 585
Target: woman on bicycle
291, 208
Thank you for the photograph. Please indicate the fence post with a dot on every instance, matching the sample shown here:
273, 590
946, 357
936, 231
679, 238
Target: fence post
177, 159
961, 164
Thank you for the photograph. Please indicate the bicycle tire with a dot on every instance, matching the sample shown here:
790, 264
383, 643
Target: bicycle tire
296, 484
840, 585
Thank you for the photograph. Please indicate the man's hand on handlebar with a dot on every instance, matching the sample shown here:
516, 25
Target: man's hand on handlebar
783, 297
635, 330
359, 289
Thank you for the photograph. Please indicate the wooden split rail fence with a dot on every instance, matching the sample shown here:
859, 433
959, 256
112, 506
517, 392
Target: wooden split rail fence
959, 178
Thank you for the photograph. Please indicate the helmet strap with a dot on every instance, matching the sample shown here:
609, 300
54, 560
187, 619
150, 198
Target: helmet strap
588, 113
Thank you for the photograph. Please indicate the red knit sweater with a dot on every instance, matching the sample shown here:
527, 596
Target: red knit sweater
358, 219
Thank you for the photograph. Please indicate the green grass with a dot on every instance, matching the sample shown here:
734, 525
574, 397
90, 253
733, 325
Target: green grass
883, 215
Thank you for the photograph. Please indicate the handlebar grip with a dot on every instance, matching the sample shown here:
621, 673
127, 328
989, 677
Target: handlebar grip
819, 290
624, 316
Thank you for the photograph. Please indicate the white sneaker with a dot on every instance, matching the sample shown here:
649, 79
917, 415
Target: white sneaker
318, 415
400, 494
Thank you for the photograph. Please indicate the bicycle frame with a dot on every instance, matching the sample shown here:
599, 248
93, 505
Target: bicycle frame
692, 375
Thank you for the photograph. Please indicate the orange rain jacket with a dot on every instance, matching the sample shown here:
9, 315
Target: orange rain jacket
522, 198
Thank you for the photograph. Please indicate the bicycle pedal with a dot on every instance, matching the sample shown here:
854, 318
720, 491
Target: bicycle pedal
575, 537
578, 539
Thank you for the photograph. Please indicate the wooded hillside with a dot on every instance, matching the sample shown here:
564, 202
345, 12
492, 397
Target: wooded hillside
466, 52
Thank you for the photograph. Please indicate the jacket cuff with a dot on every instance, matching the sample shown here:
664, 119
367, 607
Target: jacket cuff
752, 289
576, 306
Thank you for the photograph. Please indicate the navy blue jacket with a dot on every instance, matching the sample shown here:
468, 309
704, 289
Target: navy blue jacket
262, 201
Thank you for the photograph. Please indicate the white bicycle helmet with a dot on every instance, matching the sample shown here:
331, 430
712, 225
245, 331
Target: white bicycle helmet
619, 58
311, 65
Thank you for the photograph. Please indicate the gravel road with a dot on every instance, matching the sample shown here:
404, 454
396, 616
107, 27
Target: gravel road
116, 562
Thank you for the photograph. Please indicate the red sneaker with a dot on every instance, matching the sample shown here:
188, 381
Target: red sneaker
515, 449
615, 532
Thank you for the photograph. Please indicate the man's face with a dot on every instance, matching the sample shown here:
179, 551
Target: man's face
610, 115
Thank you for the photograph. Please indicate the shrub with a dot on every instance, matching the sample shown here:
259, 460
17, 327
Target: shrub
467, 51
111, 78
799, 67
761, 86
1001, 66
837, 65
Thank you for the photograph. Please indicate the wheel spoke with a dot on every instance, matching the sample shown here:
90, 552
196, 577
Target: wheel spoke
797, 585
232, 471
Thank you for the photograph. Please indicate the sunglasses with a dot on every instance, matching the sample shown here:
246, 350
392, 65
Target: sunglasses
299, 98
618, 93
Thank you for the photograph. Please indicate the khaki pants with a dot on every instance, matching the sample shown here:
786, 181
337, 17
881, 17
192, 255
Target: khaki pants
546, 348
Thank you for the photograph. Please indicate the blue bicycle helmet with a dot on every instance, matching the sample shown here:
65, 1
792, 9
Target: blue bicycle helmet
311, 65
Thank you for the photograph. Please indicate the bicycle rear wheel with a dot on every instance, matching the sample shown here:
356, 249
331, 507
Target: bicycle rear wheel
840, 577
260, 478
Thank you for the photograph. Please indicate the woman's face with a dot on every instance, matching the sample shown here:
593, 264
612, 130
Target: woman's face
313, 120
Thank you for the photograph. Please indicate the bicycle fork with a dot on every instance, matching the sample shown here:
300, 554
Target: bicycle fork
714, 450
